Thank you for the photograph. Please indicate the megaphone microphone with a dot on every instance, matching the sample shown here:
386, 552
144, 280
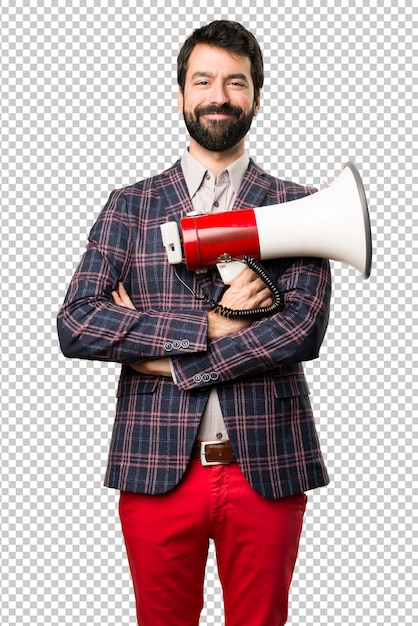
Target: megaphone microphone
333, 224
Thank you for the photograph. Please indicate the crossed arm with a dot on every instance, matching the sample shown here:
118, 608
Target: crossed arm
247, 291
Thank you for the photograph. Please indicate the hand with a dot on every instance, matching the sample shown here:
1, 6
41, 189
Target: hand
247, 291
121, 297
152, 367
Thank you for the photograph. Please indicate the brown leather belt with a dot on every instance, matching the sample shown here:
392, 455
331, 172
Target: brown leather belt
213, 452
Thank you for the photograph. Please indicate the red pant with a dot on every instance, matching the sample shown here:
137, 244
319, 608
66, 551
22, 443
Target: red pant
256, 542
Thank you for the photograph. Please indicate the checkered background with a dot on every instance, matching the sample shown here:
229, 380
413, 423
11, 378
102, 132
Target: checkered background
87, 105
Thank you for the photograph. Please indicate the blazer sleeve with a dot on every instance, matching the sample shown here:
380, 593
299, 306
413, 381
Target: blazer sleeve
289, 337
91, 326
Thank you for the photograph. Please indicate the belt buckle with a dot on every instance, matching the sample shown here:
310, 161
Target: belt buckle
203, 460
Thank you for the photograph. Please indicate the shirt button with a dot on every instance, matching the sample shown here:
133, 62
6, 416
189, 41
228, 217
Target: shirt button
216, 204
219, 436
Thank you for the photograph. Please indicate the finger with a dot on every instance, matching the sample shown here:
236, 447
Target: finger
125, 300
122, 291
250, 276
122, 299
116, 298
262, 297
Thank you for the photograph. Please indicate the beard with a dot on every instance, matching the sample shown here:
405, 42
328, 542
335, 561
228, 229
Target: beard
218, 135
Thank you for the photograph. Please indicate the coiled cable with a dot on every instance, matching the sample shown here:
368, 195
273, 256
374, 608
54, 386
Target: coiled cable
253, 314
256, 313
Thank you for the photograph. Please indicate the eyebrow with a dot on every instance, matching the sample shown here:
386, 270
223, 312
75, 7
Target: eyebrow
211, 75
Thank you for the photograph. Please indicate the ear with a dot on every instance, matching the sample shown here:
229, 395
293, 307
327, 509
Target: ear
257, 106
180, 100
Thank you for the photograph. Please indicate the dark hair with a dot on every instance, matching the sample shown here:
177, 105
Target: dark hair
230, 36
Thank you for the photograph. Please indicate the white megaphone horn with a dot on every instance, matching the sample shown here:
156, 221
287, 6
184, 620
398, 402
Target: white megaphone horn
333, 224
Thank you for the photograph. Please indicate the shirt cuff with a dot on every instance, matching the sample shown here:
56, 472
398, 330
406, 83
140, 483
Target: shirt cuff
173, 374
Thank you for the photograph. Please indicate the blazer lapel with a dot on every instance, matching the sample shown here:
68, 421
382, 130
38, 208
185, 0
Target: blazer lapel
174, 193
175, 196
253, 189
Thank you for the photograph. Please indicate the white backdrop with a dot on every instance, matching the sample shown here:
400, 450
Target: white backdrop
88, 104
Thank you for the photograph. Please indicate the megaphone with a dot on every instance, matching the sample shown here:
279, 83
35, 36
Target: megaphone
333, 223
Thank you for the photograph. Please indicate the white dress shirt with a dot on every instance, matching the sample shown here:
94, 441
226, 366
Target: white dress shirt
209, 195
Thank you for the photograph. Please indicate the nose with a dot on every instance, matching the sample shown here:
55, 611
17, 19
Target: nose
219, 94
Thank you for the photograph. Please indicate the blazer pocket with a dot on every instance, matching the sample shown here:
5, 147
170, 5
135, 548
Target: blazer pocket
137, 385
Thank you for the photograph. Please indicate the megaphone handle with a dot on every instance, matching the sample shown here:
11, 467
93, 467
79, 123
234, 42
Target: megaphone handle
257, 313
253, 314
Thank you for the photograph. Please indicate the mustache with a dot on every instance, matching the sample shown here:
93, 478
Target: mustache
224, 109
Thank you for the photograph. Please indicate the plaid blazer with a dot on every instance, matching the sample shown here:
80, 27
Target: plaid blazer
258, 372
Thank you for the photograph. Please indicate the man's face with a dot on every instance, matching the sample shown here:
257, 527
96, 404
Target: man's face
218, 101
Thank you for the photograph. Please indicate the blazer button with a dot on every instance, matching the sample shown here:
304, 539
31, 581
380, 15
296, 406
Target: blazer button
214, 376
197, 378
185, 343
176, 344
206, 378
168, 346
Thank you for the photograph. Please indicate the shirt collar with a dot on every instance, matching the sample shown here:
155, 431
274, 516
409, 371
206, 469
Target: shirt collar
194, 171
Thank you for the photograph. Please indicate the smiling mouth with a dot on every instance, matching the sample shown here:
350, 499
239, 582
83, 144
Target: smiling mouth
224, 112
218, 116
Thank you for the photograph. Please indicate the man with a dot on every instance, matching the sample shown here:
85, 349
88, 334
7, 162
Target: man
191, 376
